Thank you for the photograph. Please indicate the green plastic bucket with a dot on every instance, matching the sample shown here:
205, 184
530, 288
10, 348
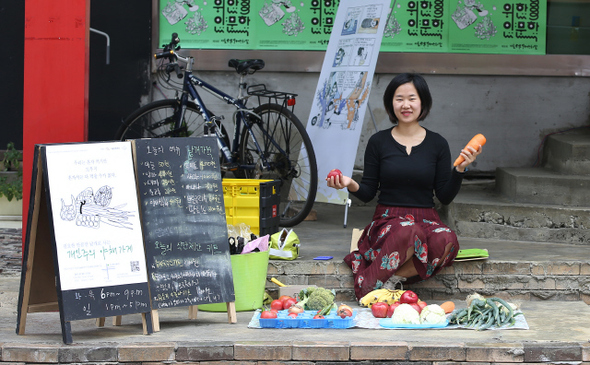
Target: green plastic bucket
249, 274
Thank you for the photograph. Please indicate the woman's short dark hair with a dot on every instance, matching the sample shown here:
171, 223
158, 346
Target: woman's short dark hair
420, 85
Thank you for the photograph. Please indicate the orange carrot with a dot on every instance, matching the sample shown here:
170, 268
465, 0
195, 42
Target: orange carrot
478, 140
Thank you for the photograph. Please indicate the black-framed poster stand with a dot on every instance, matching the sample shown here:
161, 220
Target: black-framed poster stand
83, 253
132, 227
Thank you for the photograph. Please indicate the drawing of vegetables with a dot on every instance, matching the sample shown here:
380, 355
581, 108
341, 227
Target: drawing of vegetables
89, 209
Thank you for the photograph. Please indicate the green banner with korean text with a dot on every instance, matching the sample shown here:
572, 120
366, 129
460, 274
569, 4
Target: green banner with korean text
451, 26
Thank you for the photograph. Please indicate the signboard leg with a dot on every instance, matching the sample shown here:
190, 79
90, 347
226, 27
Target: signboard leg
156, 320
147, 322
66, 331
231, 312
100, 322
117, 320
192, 311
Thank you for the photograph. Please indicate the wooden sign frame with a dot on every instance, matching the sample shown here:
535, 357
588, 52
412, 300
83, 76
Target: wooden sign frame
41, 284
42, 288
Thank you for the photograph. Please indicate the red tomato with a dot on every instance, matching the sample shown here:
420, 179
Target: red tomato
318, 316
334, 172
282, 298
276, 305
379, 309
292, 315
268, 314
288, 303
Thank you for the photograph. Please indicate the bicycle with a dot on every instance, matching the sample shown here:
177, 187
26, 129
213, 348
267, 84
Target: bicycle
269, 141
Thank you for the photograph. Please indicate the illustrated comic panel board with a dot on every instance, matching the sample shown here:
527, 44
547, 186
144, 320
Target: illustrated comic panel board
184, 222
97, 230
342, 94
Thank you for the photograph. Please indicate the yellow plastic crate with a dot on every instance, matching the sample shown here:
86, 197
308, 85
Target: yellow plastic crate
254, 202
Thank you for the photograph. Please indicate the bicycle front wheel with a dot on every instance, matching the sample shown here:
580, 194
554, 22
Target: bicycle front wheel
158, 120
284, 143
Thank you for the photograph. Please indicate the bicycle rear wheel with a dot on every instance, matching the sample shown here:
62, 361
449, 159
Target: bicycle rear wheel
156, 120
287, 147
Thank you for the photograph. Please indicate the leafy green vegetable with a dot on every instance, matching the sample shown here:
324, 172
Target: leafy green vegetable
316, 298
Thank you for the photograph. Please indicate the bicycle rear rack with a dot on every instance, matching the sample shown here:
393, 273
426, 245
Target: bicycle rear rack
284, 99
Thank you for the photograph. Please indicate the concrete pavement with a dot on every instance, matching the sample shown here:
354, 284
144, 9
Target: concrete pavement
558, 330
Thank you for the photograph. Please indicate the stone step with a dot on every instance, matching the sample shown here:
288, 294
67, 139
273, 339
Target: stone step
515, 270
568, 153
481, 212
543, 186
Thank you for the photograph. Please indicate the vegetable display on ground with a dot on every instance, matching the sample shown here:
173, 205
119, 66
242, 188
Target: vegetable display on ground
316, 298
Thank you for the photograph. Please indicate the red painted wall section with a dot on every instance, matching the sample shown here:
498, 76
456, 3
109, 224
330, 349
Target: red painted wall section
55, 100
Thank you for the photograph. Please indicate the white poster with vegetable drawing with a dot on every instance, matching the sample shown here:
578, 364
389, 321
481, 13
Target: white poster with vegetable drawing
340, 100
95, 212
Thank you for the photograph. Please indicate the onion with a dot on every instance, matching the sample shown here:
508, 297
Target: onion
296, 309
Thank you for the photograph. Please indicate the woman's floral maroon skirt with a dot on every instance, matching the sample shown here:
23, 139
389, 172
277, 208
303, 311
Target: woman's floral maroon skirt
383, 246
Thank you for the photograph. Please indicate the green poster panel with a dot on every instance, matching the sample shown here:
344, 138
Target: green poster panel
416, 26
213, 24
505, 27
247, 24
450, 26
294, 25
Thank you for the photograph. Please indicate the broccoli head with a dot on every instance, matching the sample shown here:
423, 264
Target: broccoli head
317, 298
304, 293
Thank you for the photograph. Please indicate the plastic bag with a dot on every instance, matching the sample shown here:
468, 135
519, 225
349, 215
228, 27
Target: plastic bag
284, 245
238, 237
258, 244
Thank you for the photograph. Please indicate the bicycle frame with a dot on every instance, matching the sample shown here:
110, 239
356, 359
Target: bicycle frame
190, 83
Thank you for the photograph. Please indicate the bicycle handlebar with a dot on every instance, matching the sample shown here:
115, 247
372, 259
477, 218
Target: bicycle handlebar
164, 54
174, 67
169, 52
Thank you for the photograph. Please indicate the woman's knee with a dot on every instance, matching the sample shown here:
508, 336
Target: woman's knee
450, 248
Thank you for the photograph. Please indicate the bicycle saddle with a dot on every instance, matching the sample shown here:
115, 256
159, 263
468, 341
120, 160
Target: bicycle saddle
244, 67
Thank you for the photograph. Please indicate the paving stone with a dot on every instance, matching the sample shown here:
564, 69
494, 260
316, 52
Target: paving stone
263, 351
361, 351
436, 352
146, 352
495, 352
321, 351
30, 353
550, 352
78, 353
10, 250
188, 351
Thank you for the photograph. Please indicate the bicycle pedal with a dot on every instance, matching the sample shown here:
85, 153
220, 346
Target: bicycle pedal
230, 167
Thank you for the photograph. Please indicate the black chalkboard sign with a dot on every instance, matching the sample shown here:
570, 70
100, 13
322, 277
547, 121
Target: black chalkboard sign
84, 213
184, 225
